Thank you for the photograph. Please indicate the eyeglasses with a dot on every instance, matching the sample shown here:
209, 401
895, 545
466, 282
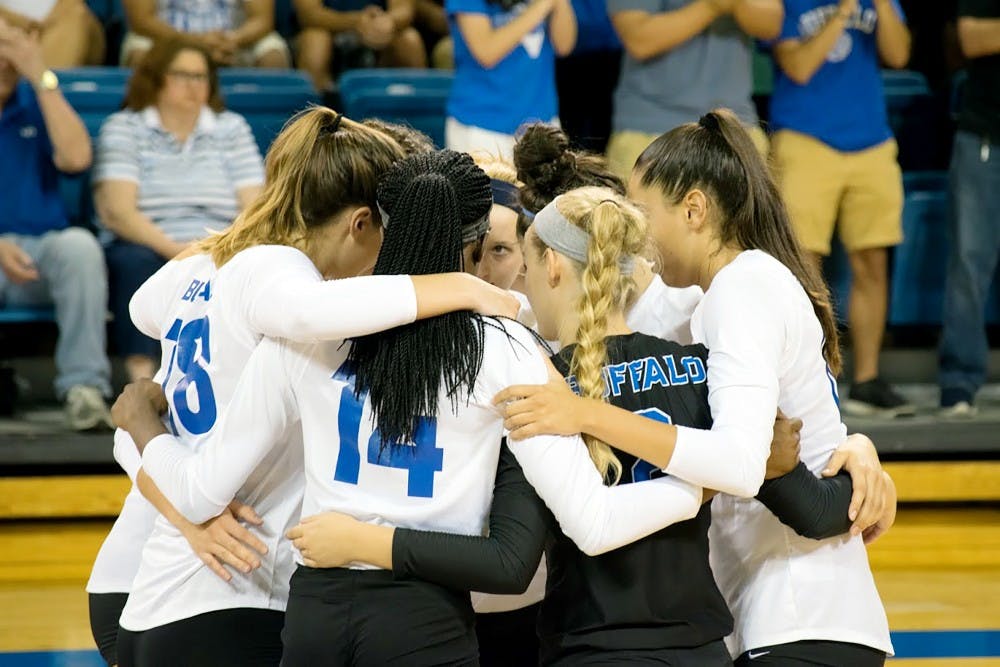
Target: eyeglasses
188, 77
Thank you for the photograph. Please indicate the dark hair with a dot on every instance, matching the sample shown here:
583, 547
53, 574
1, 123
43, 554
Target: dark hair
548, 167
411, 140
428, 199
320, 164
717, 156
147, 80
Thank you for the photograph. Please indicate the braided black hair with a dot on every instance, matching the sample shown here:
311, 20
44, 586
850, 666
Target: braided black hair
428, 200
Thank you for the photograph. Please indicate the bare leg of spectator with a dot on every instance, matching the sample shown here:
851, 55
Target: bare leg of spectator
867, 311
73, 37
406, 50
315, 48
273, 59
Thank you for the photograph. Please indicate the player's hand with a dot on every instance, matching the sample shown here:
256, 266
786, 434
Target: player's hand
491, 300
884, 523
326, 540
138, 408
534, 409
224, 540
859, 458
784, 447
17, 265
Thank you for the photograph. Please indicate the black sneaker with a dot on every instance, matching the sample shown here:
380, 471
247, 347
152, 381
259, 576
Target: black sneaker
875, 398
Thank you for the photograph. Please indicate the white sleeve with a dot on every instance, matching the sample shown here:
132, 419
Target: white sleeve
261, 412
150, 301
126, 455
743, 327
596, 517
289, 300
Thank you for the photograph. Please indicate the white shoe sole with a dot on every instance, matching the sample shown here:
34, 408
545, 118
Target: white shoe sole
855, 408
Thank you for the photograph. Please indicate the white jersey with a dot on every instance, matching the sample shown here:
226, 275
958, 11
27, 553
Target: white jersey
664, 312
765, 352
210, 323
441, 482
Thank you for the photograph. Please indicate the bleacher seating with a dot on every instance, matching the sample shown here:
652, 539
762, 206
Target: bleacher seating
914, 113
415, 97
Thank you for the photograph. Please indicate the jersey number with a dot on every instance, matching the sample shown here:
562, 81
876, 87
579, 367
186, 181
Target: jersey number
642, 471
190, 350
421, 459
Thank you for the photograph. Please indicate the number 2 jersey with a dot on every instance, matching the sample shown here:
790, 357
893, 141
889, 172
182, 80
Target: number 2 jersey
209, 322
658, 592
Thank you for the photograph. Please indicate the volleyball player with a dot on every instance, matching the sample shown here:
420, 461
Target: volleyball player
428, 384
316, 216
767, 322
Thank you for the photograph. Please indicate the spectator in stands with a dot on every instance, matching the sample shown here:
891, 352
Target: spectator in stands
170, 166
70, 34
42, 259
431, 22
835, 160
504, 69
233, 32
381, 29
975, 228
684, 58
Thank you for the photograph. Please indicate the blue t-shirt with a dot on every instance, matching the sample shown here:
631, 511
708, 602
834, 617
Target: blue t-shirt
518, 89
843, 105
29, 182
594, 31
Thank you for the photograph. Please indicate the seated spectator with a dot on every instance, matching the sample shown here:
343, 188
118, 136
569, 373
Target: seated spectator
234, 32
505, 52
171, 165
431, 21
381, 29
70, 34
43, 260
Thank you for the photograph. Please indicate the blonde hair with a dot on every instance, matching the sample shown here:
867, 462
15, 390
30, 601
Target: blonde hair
320, 164
617, 230
496, 168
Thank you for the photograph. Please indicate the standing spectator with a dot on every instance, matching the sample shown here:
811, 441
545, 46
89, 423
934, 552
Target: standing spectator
684, 58
504, 69
170, 166
835, 160
382, 29
233, 32
69, 32
43, 260
975, 226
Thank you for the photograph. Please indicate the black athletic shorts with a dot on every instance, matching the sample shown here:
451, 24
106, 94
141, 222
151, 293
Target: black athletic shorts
713, 654
105, 610
812, 654
364, 618
508, 638
225, 638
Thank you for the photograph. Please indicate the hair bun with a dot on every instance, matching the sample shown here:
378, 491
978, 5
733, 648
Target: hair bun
544, 162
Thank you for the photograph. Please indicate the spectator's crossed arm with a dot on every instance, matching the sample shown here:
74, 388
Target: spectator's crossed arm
646, 34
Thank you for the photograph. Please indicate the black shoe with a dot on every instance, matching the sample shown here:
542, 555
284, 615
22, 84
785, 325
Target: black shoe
876, 398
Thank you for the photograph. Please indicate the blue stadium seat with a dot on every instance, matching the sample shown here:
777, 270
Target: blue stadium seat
267, 108
416, 97
92, 78
235, 78
913, 111
25, 314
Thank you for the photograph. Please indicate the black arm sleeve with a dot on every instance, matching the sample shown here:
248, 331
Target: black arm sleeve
812, 507
503, 563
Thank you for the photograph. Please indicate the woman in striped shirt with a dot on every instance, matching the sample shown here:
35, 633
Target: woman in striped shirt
171, 165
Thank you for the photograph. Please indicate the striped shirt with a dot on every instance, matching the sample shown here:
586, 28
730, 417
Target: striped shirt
201, 15
185, 188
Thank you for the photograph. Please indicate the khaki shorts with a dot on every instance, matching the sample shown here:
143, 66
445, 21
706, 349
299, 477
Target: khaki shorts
246, 57
860, 193
624, 148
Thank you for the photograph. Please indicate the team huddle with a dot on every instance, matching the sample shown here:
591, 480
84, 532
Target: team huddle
350, 432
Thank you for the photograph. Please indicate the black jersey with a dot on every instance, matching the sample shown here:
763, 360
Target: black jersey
659, 591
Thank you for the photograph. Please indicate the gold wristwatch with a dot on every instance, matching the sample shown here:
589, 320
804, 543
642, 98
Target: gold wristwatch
48, 80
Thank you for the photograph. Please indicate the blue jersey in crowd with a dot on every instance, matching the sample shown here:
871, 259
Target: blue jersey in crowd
843, 105
29, 183
520, 88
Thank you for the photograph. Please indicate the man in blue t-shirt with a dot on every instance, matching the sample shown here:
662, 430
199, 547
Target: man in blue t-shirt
42, 260
975, 198
835, 159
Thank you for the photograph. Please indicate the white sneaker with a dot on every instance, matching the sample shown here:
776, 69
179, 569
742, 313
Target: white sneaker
961, 410
86, 409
